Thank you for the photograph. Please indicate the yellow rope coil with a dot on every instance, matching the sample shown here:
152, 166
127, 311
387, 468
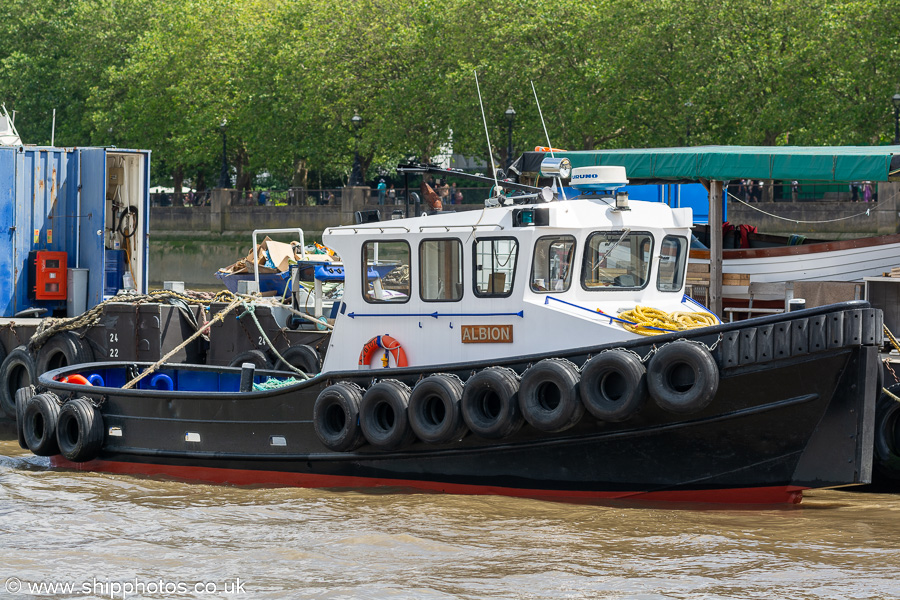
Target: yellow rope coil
653, 321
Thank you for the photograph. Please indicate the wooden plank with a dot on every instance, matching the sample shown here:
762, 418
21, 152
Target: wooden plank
735, 279
698, 267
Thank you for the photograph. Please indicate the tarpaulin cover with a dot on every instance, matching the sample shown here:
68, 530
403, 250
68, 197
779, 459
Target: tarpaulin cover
726, 163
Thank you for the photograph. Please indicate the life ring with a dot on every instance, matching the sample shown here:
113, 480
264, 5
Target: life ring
683, 377
23, 395
79, 430
434, 409
336, 417
16, 371
613, 385
41, 417
383, 415
887, 435
63, 350
490, 403
77, 379
391, 347
548, 395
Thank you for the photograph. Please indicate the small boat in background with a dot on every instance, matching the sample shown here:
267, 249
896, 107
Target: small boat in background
773, 260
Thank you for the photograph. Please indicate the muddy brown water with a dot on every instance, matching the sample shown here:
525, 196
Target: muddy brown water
115, 536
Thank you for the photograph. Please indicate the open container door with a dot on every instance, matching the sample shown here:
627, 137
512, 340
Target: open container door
8, 232
128, 210
92, 241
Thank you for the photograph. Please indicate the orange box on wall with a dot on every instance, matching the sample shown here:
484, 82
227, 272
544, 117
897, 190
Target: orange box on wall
48, 270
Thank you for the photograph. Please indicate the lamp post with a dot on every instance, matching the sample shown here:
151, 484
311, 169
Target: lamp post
896, 101
687, 122
356, 178
510, 117
224, 179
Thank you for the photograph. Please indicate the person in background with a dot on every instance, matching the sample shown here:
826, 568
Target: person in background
392, 195
443, 191
854, 191
743, 190
452, 194
867, 191
459, 197
261, 199
382, 187
795, 190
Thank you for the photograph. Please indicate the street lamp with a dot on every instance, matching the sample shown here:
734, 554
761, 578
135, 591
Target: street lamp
224, 178
687, 122
510, 117
896, 101
356, 178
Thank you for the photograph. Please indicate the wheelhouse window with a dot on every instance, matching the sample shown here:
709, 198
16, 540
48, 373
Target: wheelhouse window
440, 270
673, 253
551, 269
386, 276
617, 260
495, 266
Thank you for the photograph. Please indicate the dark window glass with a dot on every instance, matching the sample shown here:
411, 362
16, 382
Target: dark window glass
551, 270
440, 266
386, 272
495, 266
617, 260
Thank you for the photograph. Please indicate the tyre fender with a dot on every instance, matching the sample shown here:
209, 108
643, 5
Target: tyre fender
23, 395
16, 371
548, 395
490, 403
613, 385
257, 357
41, 417
301, 357
887, 435
79, 430
336, 417
683, 377
63, 350
384, 415
434, 409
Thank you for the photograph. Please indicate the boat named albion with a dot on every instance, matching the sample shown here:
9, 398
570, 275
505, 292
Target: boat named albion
505, 351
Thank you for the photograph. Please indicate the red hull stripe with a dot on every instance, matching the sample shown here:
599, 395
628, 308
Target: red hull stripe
757, 495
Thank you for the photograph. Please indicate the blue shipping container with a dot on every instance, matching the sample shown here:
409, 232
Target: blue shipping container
71, 200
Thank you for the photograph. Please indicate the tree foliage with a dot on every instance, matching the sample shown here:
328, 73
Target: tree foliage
288, 75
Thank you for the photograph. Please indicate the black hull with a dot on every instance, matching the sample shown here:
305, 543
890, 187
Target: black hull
776, 426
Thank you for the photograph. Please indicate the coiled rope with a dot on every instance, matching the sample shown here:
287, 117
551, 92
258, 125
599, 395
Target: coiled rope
645, 320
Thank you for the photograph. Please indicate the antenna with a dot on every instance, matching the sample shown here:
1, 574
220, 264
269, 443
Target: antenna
53, 129
556, 180
538, 102
484, 119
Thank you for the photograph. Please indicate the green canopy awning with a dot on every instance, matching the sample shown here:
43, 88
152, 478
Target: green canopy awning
726, 163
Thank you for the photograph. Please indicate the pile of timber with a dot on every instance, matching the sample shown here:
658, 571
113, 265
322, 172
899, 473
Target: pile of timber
698, 274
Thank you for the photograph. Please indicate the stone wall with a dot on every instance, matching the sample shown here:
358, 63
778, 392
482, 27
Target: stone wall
834, 220
191, 243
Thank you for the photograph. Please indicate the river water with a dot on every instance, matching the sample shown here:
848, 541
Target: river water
115, 536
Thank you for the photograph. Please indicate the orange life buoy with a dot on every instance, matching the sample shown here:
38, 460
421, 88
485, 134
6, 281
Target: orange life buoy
76, 378
390, 346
